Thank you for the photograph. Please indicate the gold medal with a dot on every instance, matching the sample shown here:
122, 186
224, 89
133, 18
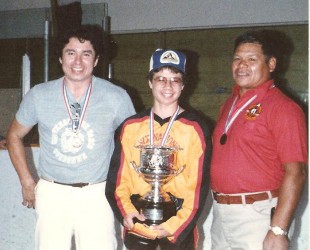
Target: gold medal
223, 139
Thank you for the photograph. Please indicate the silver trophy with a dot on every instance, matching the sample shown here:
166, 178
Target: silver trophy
157, 167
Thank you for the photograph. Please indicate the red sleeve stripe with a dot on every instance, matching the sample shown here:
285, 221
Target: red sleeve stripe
121, 166
200, 175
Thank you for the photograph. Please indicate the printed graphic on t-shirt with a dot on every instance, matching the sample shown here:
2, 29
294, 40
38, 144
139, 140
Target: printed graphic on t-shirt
70, 146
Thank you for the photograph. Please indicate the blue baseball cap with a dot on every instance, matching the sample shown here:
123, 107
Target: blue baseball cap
168, 57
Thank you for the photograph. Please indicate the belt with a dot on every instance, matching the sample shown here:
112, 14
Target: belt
244, 199
79, 185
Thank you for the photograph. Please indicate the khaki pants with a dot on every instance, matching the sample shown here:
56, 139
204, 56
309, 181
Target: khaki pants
63, 211
241, 226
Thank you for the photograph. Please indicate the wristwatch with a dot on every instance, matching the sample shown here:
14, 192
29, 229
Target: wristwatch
277, 230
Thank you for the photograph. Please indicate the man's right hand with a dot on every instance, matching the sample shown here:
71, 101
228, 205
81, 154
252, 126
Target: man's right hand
17, 153
3, 144
29, 195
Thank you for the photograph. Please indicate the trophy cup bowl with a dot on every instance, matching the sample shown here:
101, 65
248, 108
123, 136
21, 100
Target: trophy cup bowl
157, 167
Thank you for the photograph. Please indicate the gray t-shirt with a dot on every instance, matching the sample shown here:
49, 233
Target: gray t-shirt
60, 159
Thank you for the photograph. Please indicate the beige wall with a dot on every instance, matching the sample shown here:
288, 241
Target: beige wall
9, 101
209, 53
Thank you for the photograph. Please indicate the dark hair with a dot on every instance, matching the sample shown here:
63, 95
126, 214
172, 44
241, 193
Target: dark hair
173, 69
91, 33
261, 37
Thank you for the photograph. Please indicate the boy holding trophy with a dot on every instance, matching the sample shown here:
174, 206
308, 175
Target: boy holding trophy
159, 173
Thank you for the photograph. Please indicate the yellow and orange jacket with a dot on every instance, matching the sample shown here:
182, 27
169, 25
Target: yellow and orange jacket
190, 133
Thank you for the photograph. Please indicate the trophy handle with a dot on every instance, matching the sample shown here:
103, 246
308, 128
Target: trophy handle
135, 167
180, 170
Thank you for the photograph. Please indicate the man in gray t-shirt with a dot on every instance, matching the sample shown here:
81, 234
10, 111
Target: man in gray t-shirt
76, 116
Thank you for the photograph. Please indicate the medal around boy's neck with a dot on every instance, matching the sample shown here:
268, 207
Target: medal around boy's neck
164, 112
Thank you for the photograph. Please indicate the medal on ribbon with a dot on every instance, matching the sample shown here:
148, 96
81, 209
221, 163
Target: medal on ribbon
76, 114
232, 117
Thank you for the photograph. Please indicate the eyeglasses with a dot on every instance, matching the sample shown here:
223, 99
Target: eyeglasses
75, 109
175, 81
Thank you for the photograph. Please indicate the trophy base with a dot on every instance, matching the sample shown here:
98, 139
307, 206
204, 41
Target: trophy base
155, 213
132, 241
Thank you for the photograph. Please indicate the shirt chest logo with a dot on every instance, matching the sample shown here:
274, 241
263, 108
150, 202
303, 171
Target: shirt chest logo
253, 112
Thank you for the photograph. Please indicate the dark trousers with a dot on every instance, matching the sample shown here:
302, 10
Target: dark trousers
133, 242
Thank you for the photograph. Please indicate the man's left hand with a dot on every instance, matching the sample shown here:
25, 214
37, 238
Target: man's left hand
272, 241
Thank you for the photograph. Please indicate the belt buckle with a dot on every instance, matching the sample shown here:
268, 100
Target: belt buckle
79, 185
